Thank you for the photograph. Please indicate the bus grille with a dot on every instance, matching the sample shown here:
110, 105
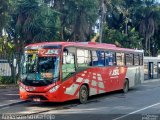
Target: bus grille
41, 97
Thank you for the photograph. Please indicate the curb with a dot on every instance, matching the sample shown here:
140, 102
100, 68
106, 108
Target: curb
8, 86
150, 81
12, 104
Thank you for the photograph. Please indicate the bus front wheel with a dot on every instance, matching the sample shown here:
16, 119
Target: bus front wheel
126, 86
83, 94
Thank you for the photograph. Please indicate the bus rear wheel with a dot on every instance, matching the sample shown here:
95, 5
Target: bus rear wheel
126, 86
83, 94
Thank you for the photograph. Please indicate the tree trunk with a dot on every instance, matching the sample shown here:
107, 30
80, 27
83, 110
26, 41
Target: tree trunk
126, 28
149, 47
12, 70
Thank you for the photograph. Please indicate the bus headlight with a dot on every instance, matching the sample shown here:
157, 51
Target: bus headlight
54, 89
21, 89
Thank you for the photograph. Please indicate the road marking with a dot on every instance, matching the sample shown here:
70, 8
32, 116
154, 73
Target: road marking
136, 111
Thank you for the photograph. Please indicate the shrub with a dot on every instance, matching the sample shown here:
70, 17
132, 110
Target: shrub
6, 80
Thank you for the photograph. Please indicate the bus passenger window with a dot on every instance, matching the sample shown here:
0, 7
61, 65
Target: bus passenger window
68, 66
141, 59
109, 58
120, 59
94, 58
129, 59
101, 59
136, 59
83, 58
146, 70
98, 58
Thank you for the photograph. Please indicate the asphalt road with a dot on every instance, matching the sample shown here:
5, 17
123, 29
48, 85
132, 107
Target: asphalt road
140, 103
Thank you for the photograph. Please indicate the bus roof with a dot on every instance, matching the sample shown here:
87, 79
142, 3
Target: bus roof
82, 44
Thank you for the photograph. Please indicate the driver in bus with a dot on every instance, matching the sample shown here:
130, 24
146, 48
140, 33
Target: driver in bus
46, 68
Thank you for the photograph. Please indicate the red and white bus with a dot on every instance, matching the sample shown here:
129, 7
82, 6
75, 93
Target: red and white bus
61, 71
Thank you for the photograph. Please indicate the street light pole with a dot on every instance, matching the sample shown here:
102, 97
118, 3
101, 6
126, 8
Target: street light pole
14, 69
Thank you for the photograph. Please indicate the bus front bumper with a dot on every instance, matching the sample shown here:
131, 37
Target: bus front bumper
39, 97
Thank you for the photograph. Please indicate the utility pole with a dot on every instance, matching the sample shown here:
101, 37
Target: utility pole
102, 16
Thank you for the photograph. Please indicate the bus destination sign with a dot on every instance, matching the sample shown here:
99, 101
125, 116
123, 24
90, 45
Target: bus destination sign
48, 52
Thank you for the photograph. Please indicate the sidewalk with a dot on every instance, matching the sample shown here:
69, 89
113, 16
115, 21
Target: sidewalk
151, 80
9, 96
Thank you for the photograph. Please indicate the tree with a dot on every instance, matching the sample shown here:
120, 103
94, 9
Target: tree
77, 18
120, 26
32, 21
131, 40
4, 6
69, 20
148, 17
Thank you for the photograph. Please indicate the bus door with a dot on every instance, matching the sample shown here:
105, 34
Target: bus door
150, 70
68, 72
83, 61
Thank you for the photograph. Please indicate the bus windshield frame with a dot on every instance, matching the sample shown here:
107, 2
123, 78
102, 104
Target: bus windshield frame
41, 65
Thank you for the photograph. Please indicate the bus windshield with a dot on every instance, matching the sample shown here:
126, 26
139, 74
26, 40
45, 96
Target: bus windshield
39, 68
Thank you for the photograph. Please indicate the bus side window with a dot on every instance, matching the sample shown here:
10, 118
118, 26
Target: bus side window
94, 58
141, 59
83, 58
68, 66
101, 59
98, 58
129, 59
109, 58
120, 59
136, 59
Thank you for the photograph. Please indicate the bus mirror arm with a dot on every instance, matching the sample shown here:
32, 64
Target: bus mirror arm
73, 72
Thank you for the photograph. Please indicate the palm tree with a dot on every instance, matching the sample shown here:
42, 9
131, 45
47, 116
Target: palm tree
76, 18
148, 24
83, 17
33, 21
4, 7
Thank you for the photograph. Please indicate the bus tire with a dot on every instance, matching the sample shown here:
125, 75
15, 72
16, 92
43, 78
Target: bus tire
83, 94
126, 86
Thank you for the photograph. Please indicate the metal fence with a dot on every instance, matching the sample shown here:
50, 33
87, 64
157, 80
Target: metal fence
5, 69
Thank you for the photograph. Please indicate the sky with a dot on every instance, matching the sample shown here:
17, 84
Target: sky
158, 1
